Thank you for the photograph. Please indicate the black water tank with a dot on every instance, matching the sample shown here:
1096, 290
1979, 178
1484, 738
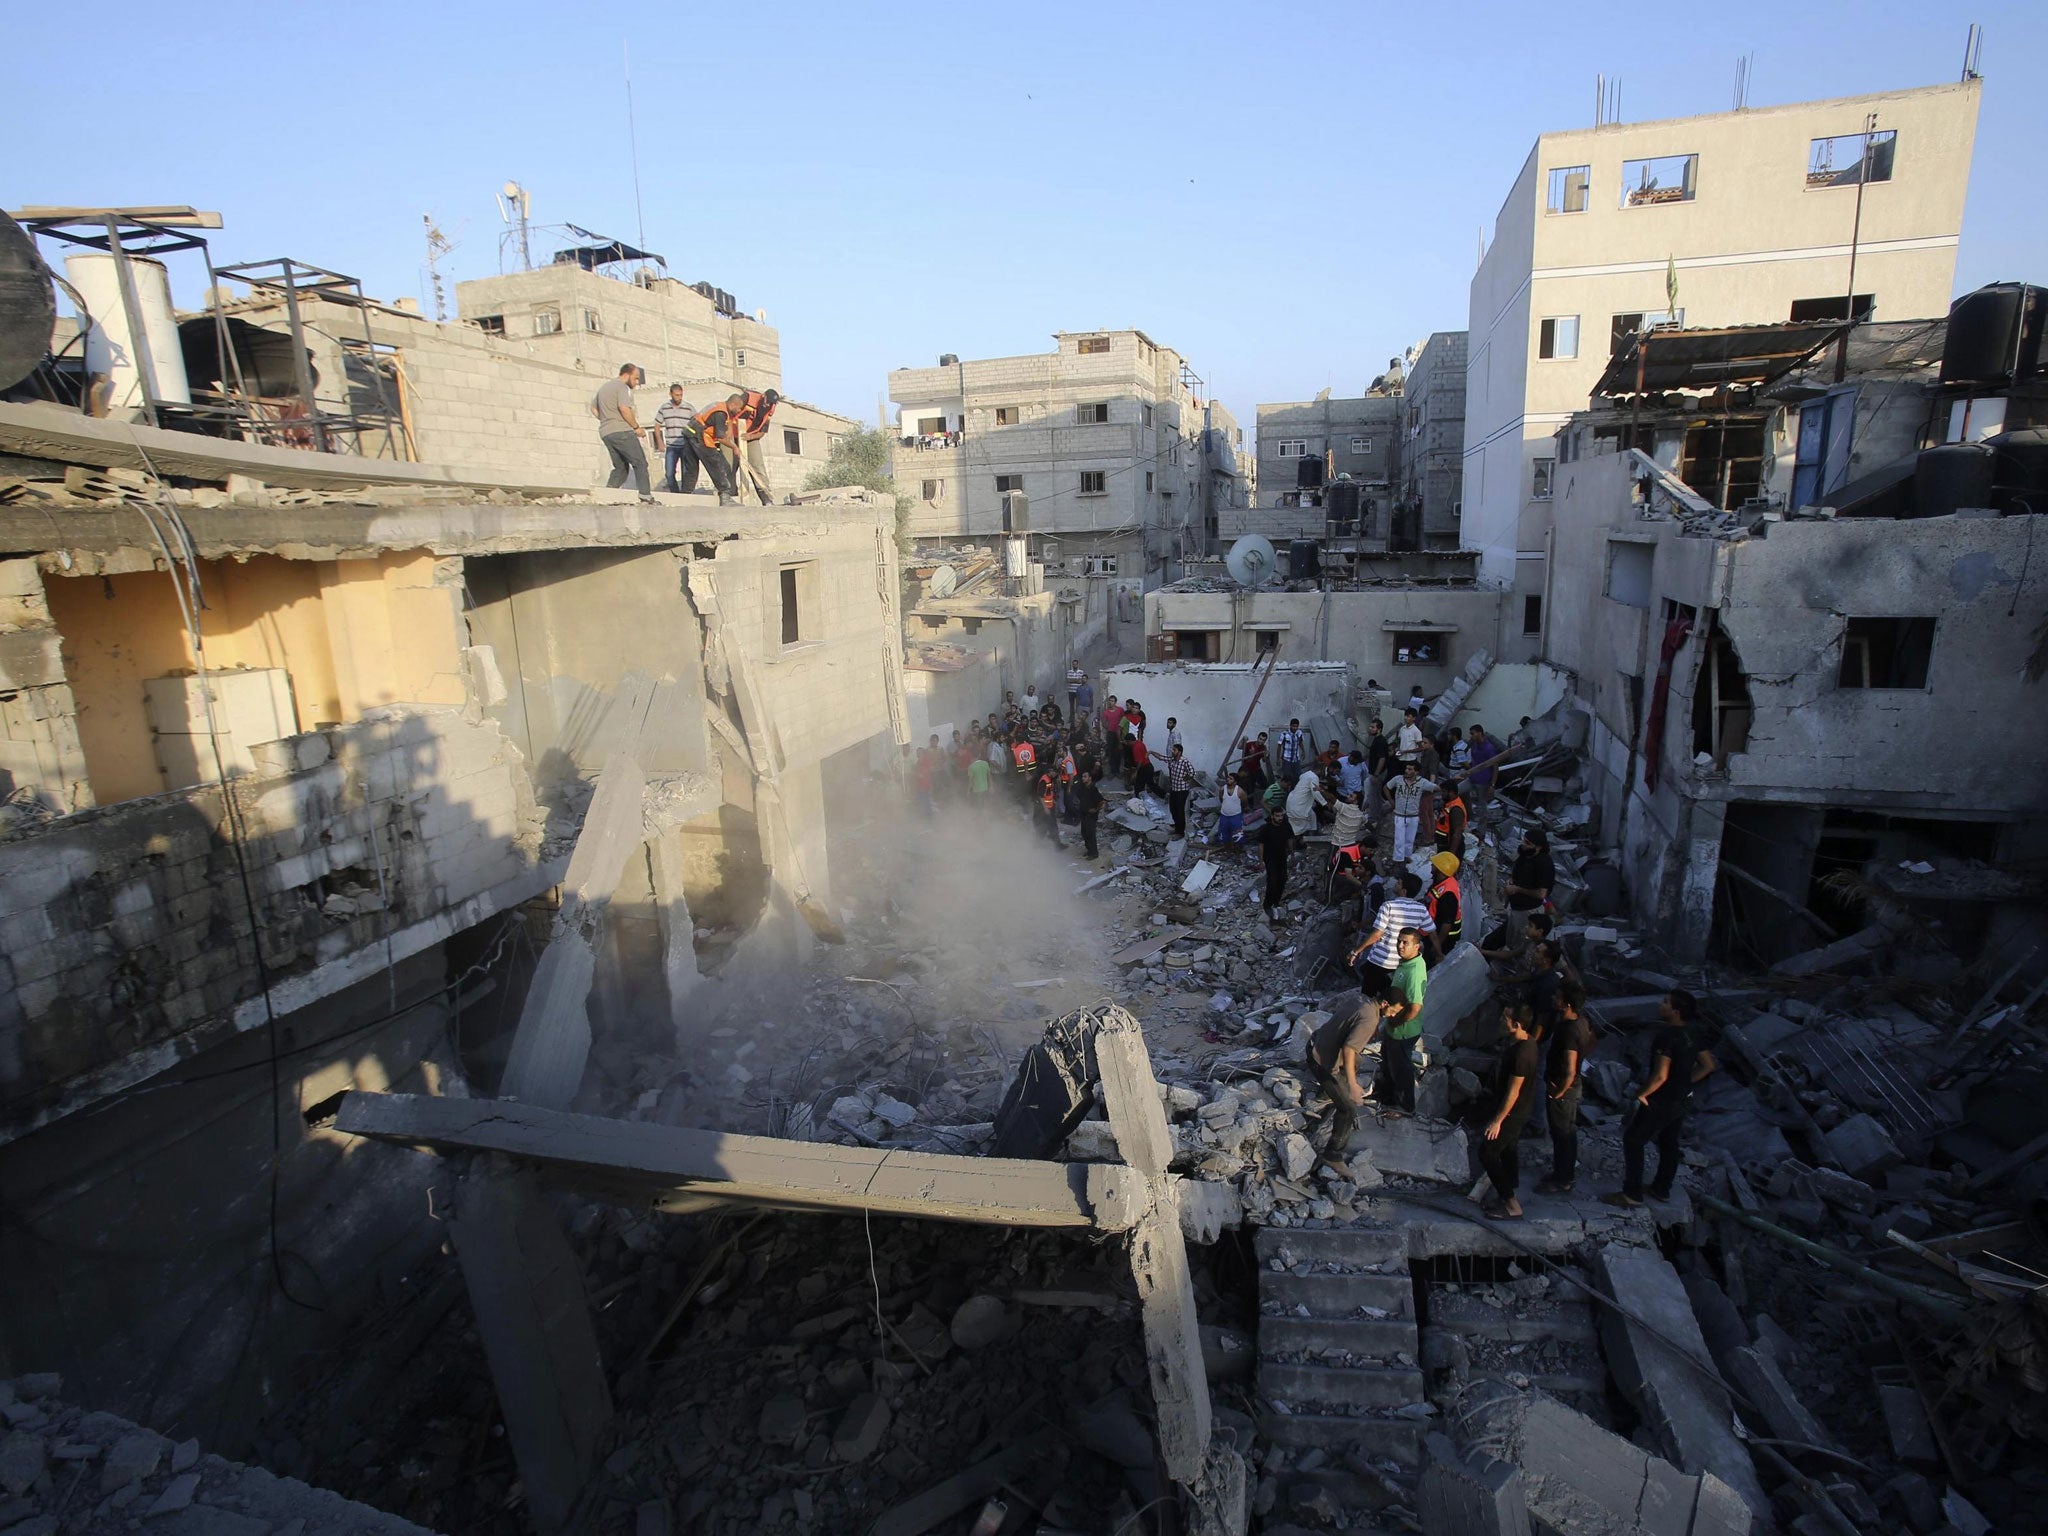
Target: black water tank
1304, 560
1308, 474
1994, 335
1340, 507
1951, 476
2020, 475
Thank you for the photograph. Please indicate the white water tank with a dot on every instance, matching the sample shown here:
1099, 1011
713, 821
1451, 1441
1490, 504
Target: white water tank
111, 348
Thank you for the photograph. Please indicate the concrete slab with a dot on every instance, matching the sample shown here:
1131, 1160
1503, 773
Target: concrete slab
1460, 983
1469, 1493
1414, 1148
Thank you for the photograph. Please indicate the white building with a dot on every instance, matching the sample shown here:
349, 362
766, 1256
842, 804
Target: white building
1126, 463
1751, 216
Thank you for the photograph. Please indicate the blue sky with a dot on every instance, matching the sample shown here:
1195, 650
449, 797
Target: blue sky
1287, 193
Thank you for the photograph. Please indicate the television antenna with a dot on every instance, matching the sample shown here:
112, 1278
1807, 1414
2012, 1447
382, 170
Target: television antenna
438, 245
515, 207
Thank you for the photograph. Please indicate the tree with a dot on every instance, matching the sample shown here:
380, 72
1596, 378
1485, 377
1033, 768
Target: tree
860, 457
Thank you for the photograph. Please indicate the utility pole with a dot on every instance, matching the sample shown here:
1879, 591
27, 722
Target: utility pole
1855, 238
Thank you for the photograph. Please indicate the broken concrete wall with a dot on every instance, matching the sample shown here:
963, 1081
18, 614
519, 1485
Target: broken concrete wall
41, 757
138, 1236
1210, 701
126, 937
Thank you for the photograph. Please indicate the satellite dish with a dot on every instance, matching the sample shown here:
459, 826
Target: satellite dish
1250, 560
941, 582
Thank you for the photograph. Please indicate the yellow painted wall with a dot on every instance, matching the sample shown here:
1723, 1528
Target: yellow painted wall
350, 633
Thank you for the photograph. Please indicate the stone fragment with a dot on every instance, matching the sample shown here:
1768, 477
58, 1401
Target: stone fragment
1863, 1147
177, 1495
1092, 1141
979, 1322
783, 1419
21, 1460
130, 1459
861, 1428
38, 1385
184, 1454
1297, 1156
895, 1111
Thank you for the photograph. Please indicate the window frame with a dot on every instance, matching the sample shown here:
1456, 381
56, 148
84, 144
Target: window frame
1888, 137
1282, 444
1004, 490
1361, 444
1910, 637
1548, 330
932, 491
1091, 346
797, 594
1558, 192
1532, 613
1542, 477
1100, 479
1009, 415
1411, 640
593, 322
793, 442
547, 322
1091, 413
1688, 189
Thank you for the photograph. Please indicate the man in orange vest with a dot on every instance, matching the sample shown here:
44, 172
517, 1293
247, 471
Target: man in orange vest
1450, 819
717, 446
1443, 898
1025, 757
756, 406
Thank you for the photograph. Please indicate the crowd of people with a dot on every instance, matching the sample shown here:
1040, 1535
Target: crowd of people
1378, 804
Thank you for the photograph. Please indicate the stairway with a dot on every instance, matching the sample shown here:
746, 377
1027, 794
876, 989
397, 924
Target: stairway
1338, 1349
1534, 1332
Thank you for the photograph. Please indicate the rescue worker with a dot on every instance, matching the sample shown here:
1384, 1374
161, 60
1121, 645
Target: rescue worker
1025, 757
1443, 898
1450, 818
1047, 819
756, 406
717, 446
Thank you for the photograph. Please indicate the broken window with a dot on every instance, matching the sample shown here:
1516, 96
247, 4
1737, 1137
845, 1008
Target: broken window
1558, 337
1834, 307
1093, 412
1417, 647
1973, 420
1827, 427
1545, 473
592, 320
1192, 645
1291, 448
1532, 613
1851, 158
1629, 566
792, 441
795, 579
1361, 445
1089, 346
1720, 700
1009, 483
490, 325
1886, 653
1266, 640
1664, 179
547, 322
1100, 565
1631, 321
1094, 482
1570, 185
1008, 415
932, 490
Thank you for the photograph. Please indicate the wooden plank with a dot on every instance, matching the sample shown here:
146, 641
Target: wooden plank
38, 430
611, 1157
1145, 949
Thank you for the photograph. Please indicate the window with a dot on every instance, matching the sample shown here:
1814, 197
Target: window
1634, 320
1666, 179
1265, 640
1540, 482
1834, 307
930, 426
1094, 482
1361, 445
1973, 419
1532, 613
796, 587
739, 357
1886, 653
1850, 158
1093, 412
1628, 572
1005, 483
1090, 346
490, 325
1008, 415
1148, 482
792, 441
1291, 448
932, 490
592, 320
1558, 337
1146, 416
1100, 565
1417, 649
547, 322
1569, 187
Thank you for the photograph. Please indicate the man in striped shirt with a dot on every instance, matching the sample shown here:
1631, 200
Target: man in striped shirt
1180, 782
677, 421
1381, 947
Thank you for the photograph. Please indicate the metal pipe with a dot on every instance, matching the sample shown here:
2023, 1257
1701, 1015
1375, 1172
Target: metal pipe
1900, 1290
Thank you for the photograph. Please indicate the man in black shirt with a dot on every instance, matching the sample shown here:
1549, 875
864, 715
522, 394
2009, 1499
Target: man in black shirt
1543, 987
1333, 1058
1677, 1062
1276, 842
1520, 1079
1568, 1042
1087, 801
1533, 874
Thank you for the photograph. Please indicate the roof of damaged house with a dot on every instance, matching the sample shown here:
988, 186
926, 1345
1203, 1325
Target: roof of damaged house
1705, 361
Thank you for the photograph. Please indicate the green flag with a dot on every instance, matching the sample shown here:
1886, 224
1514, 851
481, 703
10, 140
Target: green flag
1671, 285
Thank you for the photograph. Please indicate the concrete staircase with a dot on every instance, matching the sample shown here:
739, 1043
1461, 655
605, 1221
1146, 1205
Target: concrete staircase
1338, 1349
1530, 1338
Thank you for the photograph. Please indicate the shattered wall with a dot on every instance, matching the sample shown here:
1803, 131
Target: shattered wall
1210, 700
41, 756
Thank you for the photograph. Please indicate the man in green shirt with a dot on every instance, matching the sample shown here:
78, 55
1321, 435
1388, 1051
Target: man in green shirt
1400, 1027
977, 779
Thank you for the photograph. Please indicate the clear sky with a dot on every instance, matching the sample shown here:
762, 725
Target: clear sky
1289, 194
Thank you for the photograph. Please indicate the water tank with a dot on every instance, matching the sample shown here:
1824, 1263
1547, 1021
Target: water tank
112, 348
28, 306
1953, 475
948, 359
1340, 507
2020, 473
1304, 560
1994, 335
1308, 474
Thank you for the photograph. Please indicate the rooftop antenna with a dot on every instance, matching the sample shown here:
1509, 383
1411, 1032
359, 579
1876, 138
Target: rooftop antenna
1614, 102
515, 207
438, 245
1742, 68
633, 142
1973, 49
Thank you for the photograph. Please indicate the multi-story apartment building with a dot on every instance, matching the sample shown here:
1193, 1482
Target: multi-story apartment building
1729, 218
1358, 438
1426, 513
1126, 464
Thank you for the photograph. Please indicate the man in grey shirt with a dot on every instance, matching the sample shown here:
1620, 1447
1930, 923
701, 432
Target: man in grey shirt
619, 428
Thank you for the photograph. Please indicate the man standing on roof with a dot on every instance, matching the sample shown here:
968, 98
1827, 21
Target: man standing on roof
618, 428
677, 423
756, 406
717, 446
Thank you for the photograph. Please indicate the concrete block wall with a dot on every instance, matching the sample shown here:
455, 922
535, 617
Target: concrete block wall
124, 933
41, 760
